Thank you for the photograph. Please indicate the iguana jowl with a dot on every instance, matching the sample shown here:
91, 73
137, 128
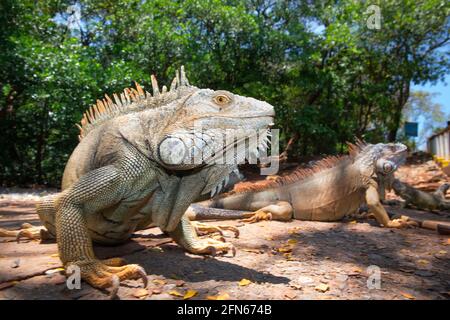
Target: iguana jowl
332, 188
128, 171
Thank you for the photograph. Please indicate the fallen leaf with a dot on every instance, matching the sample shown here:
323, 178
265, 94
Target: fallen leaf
176, 293
244, 282
52, 271
199, 271
224, 296
269, 238
353, 221
189, 294
442, 252
252, 250
322, 287
358, 270
141, 293
423, 261
284, 249
408, 296
292, 241
55, 255
160, 282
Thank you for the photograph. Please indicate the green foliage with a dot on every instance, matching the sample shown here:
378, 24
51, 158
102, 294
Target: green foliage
330, 77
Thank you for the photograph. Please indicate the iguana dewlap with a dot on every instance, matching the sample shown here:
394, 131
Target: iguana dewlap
332, 188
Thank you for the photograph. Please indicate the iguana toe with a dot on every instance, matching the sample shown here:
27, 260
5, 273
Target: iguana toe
203, 228
258, 216
102, 274
27, 231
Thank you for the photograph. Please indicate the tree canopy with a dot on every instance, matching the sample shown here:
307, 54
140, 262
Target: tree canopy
331, 75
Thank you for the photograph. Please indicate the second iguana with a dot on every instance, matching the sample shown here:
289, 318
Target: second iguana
331, 189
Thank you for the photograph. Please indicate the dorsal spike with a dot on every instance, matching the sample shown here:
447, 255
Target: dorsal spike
164, 89
173, 85
183, 79
100, 107
155, 86
139, 89
117, 100
177, 77
148, 94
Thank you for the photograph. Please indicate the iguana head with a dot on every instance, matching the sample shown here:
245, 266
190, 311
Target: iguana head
381, 158
212, 127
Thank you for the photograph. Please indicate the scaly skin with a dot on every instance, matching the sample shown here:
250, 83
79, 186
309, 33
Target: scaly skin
128, 172
420, 199
335, 187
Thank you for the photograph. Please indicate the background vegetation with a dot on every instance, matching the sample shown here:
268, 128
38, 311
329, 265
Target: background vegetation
329, 75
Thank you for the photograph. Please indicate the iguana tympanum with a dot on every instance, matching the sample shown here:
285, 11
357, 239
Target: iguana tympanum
133, 168
332, 188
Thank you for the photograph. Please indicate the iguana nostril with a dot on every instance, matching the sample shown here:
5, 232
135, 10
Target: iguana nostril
172, 151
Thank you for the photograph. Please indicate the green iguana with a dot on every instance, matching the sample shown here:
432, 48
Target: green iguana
420, 199
332, 188
133, 167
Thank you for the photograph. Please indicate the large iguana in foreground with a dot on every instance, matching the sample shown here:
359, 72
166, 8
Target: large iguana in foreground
331, 189
130, 170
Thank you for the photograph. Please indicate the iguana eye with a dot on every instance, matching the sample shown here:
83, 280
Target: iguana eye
222, 100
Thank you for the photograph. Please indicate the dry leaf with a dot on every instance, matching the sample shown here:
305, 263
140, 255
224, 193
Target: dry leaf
252, 250
358, 270
52, 271
160, 282
140, 293
322, 287
269, 238
284, 249
442, 252
189, 294
55, 255
423, 261
176, 293
408, 296
199, 271
292, 241
244, 282
353, 222
224, 296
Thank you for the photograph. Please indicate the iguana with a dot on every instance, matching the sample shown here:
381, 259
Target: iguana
420, 199
329, 190
133, 167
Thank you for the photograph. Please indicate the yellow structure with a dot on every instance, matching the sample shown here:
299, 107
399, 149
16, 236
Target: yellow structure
439, 146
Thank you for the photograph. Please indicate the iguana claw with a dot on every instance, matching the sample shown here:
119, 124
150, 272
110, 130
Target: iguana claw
203, 228
258, 216
101, 275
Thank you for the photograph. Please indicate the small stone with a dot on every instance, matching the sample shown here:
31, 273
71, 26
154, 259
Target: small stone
322, 287
15, 263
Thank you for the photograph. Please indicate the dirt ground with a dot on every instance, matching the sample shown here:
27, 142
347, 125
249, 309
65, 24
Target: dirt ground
274, 260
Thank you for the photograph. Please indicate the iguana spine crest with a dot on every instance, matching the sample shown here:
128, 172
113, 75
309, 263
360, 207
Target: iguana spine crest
131, 100
304, 173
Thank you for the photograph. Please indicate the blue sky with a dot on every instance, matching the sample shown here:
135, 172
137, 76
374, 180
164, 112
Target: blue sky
442, 89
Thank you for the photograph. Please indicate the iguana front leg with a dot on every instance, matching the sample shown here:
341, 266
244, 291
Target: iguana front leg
94, 191
375, 206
